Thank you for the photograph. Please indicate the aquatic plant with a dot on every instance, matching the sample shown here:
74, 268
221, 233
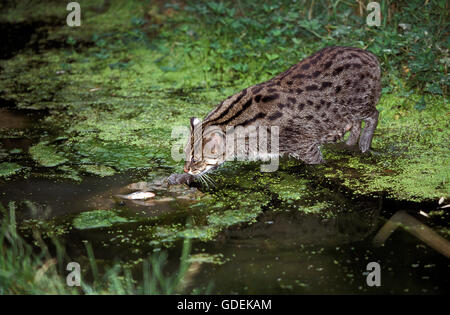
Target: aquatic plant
33, 269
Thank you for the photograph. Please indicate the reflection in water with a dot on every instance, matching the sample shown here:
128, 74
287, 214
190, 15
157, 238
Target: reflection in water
13, 119
416, 228
293, 252
294, 227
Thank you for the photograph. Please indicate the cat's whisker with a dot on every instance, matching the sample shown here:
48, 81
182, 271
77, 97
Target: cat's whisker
210, 180
207, 177
204, 180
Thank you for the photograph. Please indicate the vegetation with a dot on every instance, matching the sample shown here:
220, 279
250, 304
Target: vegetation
25, 270
116, 91
113, 89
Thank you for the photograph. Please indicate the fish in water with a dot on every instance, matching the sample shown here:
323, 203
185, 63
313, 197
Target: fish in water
138, 195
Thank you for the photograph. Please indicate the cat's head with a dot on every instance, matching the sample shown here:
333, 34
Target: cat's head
205, 148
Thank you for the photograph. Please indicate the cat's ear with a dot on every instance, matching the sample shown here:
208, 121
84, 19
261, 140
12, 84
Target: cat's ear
194, 122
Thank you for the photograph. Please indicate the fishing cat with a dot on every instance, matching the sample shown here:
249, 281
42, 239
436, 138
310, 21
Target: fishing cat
315, 101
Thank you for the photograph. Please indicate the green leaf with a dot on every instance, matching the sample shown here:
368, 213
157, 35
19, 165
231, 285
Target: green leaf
421, 104
272, 57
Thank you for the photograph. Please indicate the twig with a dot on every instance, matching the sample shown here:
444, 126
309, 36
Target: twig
416, 228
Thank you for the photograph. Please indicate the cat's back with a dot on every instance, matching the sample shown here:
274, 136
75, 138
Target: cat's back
334, 72
340, 81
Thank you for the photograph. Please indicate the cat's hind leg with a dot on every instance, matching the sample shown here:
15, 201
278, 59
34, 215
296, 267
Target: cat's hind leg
366, 137
354, 134
310, 154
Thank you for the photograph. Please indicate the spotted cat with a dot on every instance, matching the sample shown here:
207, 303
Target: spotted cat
314, 102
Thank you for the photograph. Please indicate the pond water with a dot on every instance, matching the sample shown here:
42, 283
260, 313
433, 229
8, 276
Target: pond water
287, 246
283, 252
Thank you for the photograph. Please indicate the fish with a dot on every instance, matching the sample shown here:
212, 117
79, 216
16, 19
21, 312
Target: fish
138, 195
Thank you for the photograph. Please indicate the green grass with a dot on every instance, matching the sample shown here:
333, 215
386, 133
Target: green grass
32, 269
253, 40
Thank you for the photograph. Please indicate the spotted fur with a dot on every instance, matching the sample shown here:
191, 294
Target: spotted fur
313, 102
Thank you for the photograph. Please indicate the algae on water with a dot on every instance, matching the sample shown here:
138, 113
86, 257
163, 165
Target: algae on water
99, 170
8, 169
98, 219
47, 155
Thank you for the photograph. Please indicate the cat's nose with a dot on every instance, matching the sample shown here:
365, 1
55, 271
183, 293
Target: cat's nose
185, 169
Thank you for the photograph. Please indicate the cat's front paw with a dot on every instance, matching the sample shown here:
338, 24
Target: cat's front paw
179, 179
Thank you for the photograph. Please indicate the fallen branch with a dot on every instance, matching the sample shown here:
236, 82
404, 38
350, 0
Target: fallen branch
416, 228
